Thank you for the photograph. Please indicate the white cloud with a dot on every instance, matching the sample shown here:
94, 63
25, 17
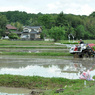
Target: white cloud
53, 6
20, 8
82, 7
86, 9
79, 8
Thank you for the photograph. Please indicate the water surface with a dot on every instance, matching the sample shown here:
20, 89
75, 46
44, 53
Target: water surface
14, 91
42, 66
45, 67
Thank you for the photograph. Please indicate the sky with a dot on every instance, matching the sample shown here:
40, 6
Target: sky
77, 7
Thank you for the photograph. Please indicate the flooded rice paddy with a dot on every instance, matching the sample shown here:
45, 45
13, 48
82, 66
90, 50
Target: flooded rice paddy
45, 66
66, 67
34, 50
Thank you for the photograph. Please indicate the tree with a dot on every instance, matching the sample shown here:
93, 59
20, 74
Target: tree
3, 22
45, 33
74, 20
46, 21
18, 25
57, 33
69, 30
90, 26
32, 22
61, 20
13, 36
92, 14
2, 33
80, 31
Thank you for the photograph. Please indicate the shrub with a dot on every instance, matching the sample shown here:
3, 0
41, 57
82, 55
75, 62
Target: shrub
13, 36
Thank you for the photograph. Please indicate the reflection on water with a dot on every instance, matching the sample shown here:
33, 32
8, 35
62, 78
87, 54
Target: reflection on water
33, 50
46, 67
9, 94
50, 71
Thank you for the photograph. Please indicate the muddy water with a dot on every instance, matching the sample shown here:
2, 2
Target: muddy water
34, 50
42, 66
46, 67
14, 91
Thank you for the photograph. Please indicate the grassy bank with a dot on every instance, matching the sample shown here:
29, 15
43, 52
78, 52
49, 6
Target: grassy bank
76, 41
37, 54
34, 47
71, 87
16, 42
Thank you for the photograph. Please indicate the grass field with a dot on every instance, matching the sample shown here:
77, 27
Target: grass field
50, 85
9, 45
14, 42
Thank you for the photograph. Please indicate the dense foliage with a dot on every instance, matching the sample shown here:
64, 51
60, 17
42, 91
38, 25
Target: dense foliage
13, 36
79, 26
3, 21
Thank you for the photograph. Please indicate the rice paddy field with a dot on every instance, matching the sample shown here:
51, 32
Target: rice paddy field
45, 67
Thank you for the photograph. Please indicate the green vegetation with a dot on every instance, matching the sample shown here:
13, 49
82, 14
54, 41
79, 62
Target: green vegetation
93, 48
87, 91
6, 44
50, 85
13, 36
57, 26
39, 43
3, 22
38, 47
76, 41
57, 33
71, 87
25, 43
37, 54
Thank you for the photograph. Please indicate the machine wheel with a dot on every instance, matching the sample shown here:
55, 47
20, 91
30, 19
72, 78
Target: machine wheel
86, 55
92, 56
76, 55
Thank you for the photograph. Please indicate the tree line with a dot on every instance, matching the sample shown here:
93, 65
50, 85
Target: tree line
56, 26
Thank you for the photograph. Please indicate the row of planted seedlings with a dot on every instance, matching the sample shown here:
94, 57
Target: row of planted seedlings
37, 50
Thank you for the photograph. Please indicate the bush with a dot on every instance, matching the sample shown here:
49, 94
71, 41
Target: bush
13, 36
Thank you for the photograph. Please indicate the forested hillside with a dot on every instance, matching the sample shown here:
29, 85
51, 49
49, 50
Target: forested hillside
57, 26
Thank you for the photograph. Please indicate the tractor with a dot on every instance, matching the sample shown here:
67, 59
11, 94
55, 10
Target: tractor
83, 50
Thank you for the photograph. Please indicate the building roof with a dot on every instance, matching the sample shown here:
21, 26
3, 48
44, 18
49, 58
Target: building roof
8, 26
